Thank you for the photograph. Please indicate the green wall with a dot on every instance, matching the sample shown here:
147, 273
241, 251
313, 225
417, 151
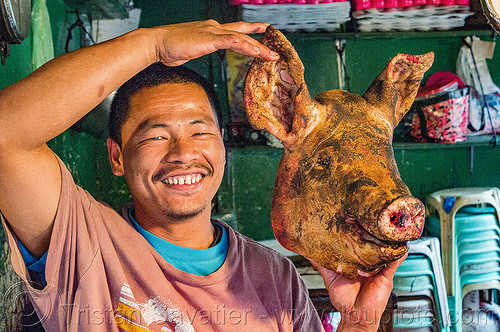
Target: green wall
76, 149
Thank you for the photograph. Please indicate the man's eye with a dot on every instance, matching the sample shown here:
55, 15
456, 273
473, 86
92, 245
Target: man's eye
157, 138
199, 134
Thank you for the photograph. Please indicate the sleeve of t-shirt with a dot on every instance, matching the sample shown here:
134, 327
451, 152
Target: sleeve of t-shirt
71, 249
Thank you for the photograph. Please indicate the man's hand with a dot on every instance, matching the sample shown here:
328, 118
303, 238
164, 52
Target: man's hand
361, 301
179, 43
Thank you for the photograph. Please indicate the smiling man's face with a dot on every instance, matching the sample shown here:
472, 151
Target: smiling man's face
172, 153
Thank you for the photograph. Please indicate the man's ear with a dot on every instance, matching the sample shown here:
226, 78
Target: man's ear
115, 157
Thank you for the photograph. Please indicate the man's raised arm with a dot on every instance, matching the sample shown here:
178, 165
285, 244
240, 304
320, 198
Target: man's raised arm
47, 102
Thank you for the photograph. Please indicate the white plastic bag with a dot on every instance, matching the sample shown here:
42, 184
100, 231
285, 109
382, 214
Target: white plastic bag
484, 109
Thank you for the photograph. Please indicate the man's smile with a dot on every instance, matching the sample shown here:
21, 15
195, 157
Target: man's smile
183, 179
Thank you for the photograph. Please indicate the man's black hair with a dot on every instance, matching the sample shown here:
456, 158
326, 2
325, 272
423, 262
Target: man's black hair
154, 75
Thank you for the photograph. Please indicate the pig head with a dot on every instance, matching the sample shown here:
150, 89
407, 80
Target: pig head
338, 196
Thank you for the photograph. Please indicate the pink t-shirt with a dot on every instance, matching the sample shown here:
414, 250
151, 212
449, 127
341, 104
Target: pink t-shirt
102, 275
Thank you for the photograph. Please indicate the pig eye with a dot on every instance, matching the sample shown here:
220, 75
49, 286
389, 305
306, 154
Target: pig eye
322, 164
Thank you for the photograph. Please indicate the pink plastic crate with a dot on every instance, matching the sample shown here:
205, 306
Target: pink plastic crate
275, 2
377, 4
388, 4
361, 4
406, 3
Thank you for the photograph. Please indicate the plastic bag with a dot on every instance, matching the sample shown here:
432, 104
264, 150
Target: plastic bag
441, 119
42, 45
485, 95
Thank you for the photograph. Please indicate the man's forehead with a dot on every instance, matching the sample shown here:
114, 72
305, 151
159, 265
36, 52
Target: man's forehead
170, 90
171, 99
161, 121
170, 96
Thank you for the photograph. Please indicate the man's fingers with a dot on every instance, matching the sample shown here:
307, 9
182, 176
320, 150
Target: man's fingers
182, 42
246, 27
241, 43
391, 268
253, 48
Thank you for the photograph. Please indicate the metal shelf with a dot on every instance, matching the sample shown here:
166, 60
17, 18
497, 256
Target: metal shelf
462, 32
484, 140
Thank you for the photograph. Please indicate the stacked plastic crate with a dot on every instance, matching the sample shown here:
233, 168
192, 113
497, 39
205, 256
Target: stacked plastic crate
296, 15
406, 15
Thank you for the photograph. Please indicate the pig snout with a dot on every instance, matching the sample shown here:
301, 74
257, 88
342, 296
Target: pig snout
402, 220
384, 207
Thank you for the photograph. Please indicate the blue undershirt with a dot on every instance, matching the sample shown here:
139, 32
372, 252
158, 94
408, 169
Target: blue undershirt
200, 262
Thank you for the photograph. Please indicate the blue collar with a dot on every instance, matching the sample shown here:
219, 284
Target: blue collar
200, 262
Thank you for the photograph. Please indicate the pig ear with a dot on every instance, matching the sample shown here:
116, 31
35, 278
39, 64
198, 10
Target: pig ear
275, 89
395, 88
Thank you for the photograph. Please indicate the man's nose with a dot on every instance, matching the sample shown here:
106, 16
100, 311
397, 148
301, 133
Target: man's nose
181, 150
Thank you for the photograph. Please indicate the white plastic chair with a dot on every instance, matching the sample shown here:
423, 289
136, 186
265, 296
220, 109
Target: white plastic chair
464, 196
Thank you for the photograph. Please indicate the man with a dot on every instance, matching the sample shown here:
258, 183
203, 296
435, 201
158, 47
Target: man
137, 270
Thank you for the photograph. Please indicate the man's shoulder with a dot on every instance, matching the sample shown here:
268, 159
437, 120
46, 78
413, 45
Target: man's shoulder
260, 251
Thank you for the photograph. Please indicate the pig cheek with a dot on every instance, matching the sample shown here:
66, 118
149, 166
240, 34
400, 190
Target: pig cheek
306, 220
299, 206
286, 192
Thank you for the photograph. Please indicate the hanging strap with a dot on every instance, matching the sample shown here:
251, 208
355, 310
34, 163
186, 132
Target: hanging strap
485, 106
78, 23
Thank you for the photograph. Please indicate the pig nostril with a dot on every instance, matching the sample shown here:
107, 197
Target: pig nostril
402, 220
399, 219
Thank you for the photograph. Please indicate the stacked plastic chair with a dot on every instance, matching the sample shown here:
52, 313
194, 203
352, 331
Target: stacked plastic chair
420, 289
470, 241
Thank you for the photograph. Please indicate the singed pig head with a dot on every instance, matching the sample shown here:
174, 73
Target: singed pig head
338, 196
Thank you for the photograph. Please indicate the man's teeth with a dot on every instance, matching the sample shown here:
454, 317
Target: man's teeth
185, 179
